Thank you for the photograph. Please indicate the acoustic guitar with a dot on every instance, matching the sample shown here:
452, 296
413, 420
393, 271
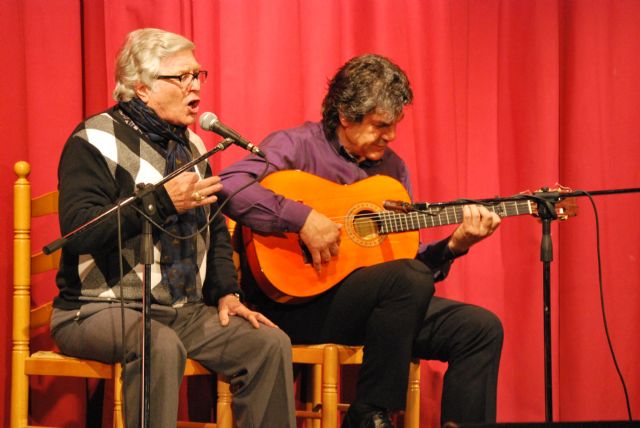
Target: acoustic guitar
371, 234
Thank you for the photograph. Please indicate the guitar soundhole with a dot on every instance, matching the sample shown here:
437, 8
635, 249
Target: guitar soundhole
363, 225
366, 226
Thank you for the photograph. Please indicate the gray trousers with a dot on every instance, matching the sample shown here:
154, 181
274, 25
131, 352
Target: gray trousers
257, 361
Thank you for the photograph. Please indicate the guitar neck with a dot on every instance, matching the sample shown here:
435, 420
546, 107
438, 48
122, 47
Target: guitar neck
394, 222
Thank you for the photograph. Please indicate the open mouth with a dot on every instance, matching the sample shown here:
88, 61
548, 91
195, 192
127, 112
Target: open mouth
194, 104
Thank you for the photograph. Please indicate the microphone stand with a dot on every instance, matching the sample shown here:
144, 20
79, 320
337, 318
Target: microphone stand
547, 212
146, 258
546, 201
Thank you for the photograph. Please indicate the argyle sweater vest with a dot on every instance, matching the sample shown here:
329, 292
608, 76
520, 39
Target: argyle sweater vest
130, 160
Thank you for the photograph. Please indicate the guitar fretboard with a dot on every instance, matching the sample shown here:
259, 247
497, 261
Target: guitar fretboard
394, 222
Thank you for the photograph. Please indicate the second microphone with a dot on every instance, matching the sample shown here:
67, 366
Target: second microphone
210, 122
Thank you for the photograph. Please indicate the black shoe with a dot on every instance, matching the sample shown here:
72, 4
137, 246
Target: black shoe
368, 417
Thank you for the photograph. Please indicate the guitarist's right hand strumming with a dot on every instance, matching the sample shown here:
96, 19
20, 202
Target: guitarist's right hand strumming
321, 237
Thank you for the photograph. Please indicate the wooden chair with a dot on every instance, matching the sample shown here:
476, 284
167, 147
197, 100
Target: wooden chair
325, 406
25, 320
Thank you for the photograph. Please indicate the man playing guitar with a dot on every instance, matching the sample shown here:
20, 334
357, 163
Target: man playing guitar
387, 306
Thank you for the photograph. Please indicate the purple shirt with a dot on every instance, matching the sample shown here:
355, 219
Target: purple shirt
306, 148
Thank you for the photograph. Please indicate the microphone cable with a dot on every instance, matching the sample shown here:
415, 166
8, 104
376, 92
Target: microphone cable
603, 307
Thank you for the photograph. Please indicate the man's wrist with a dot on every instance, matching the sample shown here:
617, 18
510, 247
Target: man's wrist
237, 296
453, 251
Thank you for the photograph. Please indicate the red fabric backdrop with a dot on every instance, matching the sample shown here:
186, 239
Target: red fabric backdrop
510, 95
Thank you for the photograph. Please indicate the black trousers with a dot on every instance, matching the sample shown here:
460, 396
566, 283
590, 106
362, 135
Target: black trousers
390, 310
469, 338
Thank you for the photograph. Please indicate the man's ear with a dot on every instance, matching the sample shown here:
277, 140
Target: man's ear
343, 120
142, 91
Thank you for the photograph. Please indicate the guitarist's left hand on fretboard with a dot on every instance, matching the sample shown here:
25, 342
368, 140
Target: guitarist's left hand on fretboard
478, 223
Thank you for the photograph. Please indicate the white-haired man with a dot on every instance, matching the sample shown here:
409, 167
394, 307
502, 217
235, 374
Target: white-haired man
196, 307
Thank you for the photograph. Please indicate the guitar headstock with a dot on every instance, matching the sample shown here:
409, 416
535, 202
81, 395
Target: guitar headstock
565, 207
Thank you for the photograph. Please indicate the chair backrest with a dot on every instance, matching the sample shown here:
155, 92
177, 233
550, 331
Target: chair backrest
26, 319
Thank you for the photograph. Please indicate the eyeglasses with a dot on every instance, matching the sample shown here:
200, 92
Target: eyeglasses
186, 79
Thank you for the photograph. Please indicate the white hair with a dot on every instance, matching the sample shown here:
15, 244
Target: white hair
139, 58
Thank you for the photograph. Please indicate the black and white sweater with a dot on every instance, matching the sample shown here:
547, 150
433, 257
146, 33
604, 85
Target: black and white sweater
102, 161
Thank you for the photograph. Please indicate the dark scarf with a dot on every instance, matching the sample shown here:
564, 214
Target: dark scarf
178, 263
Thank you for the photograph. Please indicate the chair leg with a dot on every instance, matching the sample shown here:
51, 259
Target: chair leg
412, 412
118, 421
330, 387
19, 393
224, 412
316, 393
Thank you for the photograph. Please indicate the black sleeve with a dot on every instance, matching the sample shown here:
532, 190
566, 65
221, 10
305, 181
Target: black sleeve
439, 258
221, 277
88, 188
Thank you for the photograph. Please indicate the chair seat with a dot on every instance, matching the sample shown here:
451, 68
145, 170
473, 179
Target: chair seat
50, 363
350, 354
309, 354
194, 368
54, 363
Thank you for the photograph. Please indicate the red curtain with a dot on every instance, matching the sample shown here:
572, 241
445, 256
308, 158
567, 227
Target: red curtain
509, 95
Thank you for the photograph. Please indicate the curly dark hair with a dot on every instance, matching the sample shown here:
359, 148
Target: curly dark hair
365, 83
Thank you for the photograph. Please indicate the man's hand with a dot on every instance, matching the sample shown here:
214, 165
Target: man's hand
322, 238
230, 305
187, 191
478, 223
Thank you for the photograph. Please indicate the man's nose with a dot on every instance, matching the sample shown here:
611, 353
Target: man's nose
389, 134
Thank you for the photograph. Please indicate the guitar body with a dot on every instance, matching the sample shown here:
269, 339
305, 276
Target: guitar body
281, 264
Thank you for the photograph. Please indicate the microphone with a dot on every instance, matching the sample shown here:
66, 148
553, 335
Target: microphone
210, 122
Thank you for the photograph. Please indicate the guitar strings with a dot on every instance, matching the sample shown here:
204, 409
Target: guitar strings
388, 215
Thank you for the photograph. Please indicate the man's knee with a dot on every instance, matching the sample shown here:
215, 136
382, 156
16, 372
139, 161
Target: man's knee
168, 349
486, 326
272, 341
413, 277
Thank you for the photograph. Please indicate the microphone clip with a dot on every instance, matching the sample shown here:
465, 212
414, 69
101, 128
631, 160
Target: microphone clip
398, 206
